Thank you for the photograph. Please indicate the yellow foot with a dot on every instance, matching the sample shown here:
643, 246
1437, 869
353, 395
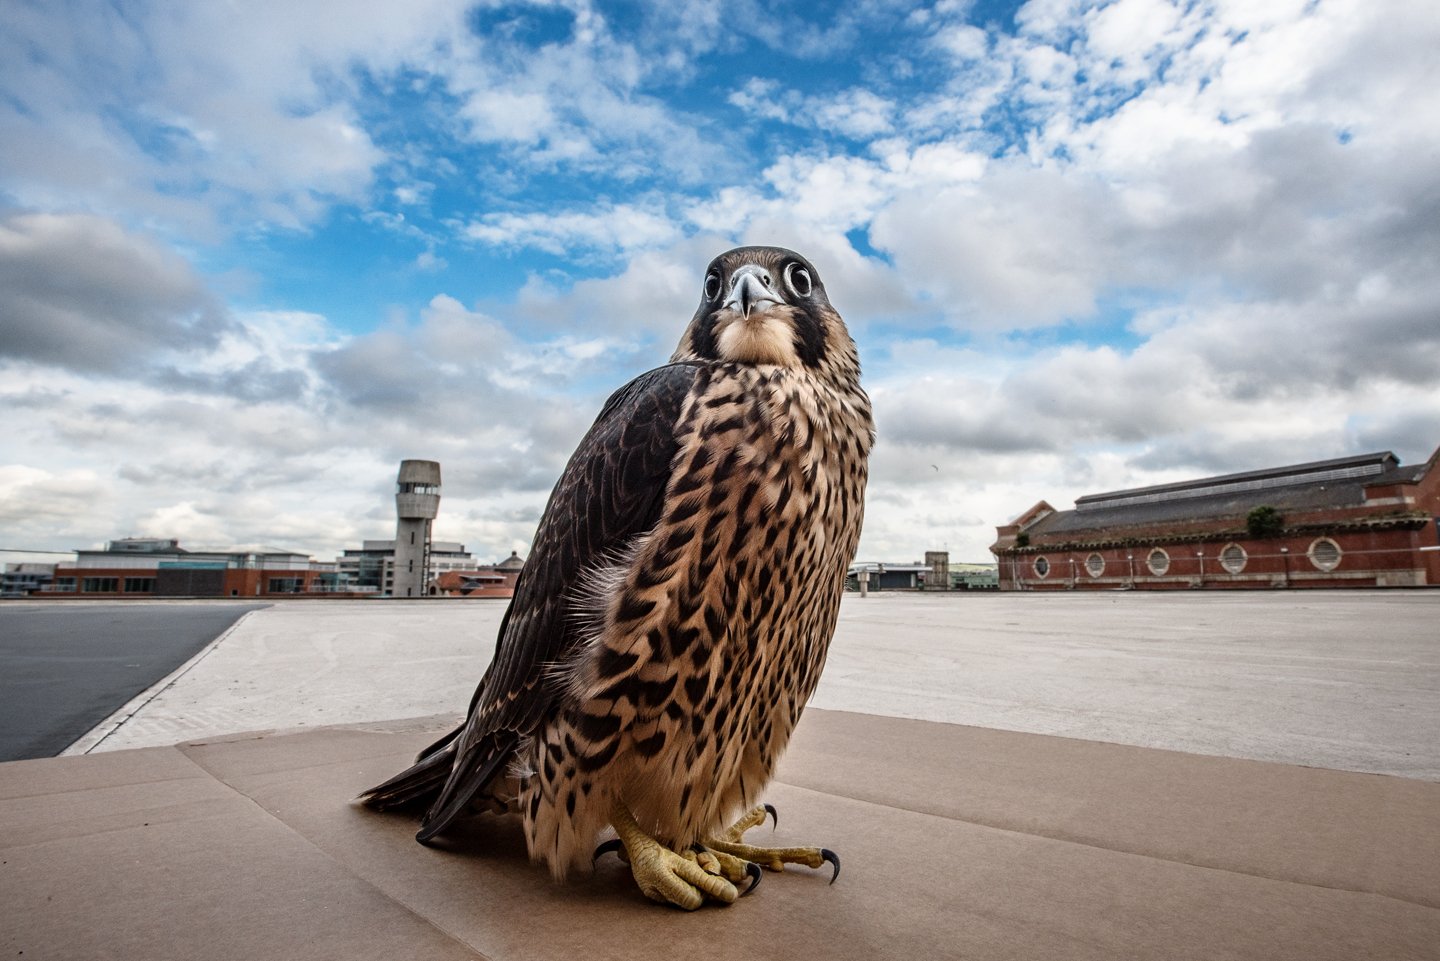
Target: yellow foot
729, 843
664, 875
727, 866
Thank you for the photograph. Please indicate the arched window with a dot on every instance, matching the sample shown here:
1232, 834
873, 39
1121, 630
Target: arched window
1158, 562
1094, 565
1325, 554
1233, 558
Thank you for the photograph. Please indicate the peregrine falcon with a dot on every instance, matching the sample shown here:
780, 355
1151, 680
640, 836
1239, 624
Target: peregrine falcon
674, 614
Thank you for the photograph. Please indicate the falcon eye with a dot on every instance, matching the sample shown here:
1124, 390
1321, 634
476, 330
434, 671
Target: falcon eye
797, 278
712, 286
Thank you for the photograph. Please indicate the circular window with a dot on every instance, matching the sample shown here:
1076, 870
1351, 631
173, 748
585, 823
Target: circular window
1325, 554
1158, 562
1042, 566
1233, 558
1094, 565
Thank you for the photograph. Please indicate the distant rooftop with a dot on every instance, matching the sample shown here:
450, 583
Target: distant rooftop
1315, 485
1340, 468
157, 545
142, 545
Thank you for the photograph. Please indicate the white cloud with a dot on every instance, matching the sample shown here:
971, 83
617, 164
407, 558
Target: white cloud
198, 112
509, 116
79, 291
650, 300
1126, 242
963, 41
618, 227
856, 113
1025, 248
33, 499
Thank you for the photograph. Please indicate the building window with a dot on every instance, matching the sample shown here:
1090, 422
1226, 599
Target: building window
64, 584
100, 585
1325, 554
1158, 562
1233, 558
286, 585
139, 585
1042, 566
1094, 565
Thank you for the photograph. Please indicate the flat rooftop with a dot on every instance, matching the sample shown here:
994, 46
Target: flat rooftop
1004, 776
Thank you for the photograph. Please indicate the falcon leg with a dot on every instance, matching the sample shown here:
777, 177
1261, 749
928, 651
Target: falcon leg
664, 875
730, 842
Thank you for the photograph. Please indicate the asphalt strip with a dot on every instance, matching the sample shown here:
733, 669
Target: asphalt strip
92, 739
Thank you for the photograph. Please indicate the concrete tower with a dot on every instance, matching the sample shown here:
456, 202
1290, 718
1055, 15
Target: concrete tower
417, 501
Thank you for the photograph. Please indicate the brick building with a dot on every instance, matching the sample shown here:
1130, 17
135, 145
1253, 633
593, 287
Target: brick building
1361, 521
155, 567
493, 580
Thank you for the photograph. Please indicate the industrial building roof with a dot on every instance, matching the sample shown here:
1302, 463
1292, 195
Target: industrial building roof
1316, 485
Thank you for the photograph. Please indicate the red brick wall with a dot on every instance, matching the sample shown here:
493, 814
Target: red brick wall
1368, 558
236, 582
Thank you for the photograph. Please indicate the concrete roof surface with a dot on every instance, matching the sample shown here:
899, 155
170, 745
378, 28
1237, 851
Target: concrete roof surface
1337, 679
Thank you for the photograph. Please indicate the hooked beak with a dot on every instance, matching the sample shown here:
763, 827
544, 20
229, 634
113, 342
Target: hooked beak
751, 285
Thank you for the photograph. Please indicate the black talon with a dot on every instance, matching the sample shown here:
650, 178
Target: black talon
828, 855
614, 845
753, 872
774, 815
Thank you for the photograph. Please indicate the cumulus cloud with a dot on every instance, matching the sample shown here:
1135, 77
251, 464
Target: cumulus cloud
309, 468
79, 291
196, 115
31, 497
1098, 245
856, 113
1028, 248
614, 228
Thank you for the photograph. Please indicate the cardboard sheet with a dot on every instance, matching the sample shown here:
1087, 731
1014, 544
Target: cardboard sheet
956, 843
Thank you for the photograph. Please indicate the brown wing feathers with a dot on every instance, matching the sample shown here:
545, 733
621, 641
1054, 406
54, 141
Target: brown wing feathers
610, 492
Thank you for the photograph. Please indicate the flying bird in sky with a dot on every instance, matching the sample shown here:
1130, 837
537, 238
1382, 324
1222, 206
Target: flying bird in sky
674, 614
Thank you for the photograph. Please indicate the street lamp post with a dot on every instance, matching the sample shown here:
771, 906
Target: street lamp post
1285, 559
1200, 555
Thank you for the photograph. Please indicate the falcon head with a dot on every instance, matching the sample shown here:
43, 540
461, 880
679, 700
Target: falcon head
766, 305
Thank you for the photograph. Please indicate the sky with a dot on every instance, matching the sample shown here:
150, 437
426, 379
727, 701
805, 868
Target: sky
254, 254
